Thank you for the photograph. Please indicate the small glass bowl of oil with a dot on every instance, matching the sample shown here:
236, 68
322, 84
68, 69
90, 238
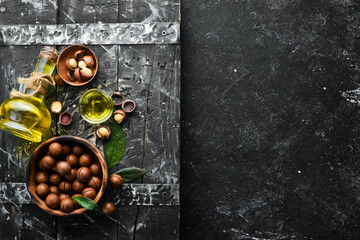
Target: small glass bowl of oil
96, 106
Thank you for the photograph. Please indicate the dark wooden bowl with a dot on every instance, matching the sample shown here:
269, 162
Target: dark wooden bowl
69, 53
32, 169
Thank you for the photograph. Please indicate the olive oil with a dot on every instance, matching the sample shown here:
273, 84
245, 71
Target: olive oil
95, 106
28, 117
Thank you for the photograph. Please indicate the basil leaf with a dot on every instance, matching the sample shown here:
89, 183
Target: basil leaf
131, 174
115, 145
85, 202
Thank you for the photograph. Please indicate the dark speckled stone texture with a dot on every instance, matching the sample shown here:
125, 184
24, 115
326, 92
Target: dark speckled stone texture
270, 147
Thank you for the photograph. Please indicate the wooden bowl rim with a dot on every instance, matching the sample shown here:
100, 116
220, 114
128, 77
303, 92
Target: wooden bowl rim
77, 47
31, 188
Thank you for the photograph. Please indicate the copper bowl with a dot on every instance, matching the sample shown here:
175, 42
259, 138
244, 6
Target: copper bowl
40, 151
63, 70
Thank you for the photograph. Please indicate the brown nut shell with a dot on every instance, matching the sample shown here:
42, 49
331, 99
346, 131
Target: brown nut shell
71, 76
95, 182
54, 179
89, 192
76, 204
65, 118
83, 174
63, 168
89, 61
71, 176
78, 186
77, 150
119, 116
63, 196
116, 181
72, 159
67, 205
103, 132
108, 208
55, 149
118, 98
85, 160
59, 81
95, 169
42, 190
66, 149
86, 73
41, 177
52, 201
46, 163
54, 190
77, 74
65, 187
128, 105
79, 54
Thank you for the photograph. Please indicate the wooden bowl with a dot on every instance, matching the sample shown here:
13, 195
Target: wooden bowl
69, 53
32, 169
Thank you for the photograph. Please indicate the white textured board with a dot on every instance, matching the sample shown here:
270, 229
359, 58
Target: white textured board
90, 33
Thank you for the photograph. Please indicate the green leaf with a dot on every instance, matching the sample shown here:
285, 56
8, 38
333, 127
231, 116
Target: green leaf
131, 174
85, 202
115, 145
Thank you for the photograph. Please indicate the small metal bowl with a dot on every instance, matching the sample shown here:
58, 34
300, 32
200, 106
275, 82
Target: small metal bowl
63, 70
32, 169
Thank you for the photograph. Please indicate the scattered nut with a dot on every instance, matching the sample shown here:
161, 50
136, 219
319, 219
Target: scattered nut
119, 116
108, 208
103, 132
82, 64
89, 61
117, 98
128, 105
65, 118
116, 181
59, 81
79, 54
86, 73
56, 107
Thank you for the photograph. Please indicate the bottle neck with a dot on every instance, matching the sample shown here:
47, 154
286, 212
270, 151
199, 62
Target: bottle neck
45, 64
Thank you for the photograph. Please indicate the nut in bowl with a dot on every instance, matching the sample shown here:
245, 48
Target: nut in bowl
77, 65
63, 167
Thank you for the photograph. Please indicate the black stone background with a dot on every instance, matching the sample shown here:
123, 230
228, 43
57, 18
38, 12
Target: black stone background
270, 148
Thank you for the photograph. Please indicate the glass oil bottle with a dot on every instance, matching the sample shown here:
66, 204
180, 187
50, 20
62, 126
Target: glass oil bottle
28, 117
